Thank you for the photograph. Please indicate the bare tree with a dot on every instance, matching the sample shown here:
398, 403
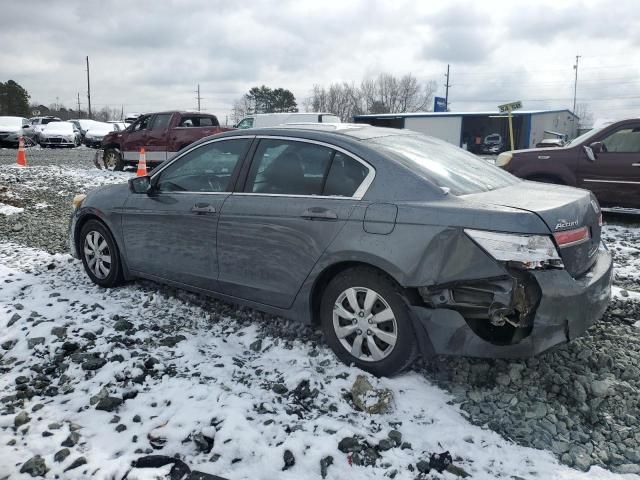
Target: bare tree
585, 115
384, 94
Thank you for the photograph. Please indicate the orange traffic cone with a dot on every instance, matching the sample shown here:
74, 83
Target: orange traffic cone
142, 164
21, 159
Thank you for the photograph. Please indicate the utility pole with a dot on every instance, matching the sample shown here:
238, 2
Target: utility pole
198, 97
575, 84
78, 104
446, 94
88, 90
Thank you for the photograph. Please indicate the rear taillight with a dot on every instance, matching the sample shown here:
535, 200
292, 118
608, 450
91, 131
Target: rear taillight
571, 237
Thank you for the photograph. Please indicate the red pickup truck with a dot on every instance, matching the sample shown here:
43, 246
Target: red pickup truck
161, 134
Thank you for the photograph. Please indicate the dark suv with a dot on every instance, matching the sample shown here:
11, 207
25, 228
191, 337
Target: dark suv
604, 160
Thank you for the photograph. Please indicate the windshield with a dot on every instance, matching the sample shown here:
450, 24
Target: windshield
445, 165
585, 136
11, 121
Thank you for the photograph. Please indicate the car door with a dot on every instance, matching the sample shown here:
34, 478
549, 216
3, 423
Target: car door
135, 139
614, 176
156, 142
170, 233
294, 202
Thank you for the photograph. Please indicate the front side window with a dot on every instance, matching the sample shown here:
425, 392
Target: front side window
625, 140
447, 166
207, 168
246, 123
161, 121
140, 124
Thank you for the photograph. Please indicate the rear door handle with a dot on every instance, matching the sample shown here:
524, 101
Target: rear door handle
319, 213
203, 208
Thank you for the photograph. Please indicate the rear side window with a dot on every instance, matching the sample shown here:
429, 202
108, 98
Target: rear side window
625, 140
345, 176
289, 167
196, 121
161, 122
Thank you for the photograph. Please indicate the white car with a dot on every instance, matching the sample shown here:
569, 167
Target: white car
38, 124
12, 128
95, 133
260, 120
60, 134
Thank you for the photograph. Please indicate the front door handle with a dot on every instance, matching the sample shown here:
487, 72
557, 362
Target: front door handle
635, 164
203, 208
319, 213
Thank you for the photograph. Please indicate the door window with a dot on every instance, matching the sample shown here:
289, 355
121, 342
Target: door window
140, 124
288, 167
345, 176
625, 140
161, 121
208, 168
246, 123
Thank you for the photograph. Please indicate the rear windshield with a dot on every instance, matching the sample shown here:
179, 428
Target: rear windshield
449, 167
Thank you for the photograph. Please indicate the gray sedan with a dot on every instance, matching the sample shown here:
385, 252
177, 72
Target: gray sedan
395, 243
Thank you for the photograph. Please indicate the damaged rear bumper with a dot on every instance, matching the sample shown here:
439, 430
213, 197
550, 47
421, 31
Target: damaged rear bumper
568, 307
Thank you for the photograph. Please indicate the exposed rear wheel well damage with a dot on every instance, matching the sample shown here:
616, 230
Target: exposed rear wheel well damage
330, 272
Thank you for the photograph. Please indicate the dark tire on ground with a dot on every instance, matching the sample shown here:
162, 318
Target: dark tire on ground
92, 236
545, 179
390, 295
113, 160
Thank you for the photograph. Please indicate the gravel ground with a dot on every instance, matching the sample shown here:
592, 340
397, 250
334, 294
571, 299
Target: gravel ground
580, 401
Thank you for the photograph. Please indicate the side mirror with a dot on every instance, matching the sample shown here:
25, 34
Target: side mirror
26, 126
140, 185
596, 147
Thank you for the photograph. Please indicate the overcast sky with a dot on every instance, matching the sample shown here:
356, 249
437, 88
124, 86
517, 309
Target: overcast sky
150, 55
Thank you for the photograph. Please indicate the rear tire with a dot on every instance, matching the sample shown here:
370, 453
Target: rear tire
113, 160
100, 255
365, 320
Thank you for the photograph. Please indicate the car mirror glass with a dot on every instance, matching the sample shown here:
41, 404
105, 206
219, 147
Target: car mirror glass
596, 147
590, 155
140, 185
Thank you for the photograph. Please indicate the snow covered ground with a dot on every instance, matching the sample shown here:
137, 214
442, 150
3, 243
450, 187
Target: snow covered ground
212, 375
115, 375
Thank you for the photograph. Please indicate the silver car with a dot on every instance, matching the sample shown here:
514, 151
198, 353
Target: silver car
393, 242
12, 128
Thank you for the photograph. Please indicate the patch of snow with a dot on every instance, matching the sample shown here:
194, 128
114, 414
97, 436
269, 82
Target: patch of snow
9, 209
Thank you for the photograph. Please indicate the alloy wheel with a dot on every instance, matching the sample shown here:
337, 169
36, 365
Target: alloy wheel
110, 160
97, 254
365, 324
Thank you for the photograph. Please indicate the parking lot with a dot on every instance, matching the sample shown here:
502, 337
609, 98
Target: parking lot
241, 394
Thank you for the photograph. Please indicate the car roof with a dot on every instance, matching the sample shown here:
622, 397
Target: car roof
357, 131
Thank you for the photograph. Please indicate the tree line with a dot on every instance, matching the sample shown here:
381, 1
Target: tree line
386, 93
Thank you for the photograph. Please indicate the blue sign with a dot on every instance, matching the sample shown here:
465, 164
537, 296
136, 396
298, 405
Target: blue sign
439, 104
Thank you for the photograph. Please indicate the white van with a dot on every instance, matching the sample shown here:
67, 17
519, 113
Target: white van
272, 119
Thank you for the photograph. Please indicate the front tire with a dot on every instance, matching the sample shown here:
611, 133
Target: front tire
100, 255
366, 322
113, 160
